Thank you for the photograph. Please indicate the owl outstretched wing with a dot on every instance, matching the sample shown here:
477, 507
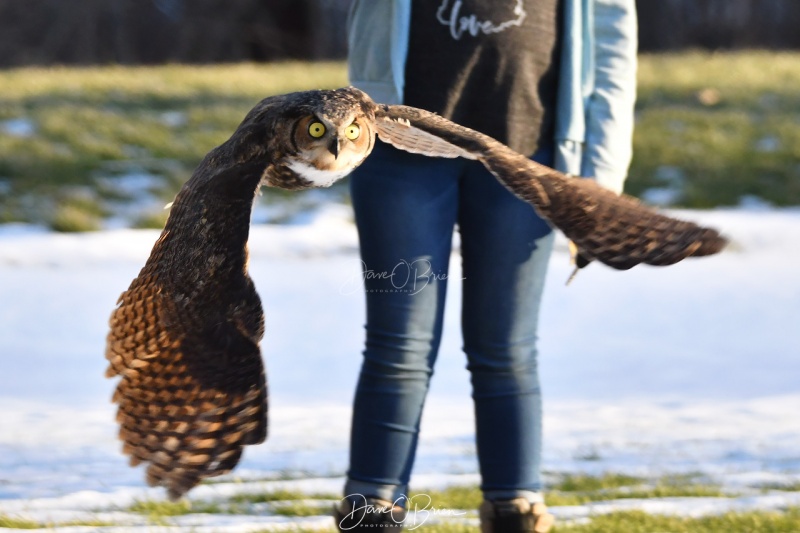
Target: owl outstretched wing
184, 339
191, 395
615, 230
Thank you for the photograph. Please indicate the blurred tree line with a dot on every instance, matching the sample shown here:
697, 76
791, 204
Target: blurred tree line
43, 32
718, 24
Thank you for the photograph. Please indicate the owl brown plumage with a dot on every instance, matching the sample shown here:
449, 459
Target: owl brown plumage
616, 230
185, 336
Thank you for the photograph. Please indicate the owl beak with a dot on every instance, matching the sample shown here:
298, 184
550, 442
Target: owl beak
335, 146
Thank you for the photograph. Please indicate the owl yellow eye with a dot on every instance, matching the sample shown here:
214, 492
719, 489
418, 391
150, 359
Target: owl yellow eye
316, 129
352, 131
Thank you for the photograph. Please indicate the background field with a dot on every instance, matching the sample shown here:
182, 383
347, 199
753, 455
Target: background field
84, 149
682, 419
671, 395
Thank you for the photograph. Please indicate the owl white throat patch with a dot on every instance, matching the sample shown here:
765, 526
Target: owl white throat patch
320, 178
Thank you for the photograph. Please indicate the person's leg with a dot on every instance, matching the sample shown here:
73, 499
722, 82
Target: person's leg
505, 247
405, 208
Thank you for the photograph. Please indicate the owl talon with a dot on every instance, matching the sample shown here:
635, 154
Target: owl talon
572, 276
573, 253
575, 258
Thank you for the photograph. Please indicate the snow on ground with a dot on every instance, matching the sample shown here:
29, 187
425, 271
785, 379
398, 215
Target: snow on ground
694, 367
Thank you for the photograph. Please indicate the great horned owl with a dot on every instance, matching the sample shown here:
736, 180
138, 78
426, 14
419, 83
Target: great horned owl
185, 335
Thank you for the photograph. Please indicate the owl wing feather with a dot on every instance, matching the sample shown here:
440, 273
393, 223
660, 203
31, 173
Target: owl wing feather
184, 340
401, 134
188, 400
616, 230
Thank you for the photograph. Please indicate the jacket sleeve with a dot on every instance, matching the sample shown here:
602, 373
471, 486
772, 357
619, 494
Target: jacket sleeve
377, 38
610, 107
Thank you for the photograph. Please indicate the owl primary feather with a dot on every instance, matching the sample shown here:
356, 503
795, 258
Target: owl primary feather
184, 338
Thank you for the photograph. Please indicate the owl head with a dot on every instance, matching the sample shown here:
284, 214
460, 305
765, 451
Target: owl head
331, 138
305, 139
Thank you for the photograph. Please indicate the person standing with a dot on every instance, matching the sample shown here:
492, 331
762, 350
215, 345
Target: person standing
554, 79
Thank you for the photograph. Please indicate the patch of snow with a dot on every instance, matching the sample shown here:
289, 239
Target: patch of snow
15, 230
651, 371
18, 127
755, 203
661, 196
689, 507
135, 183
173, 119
671, 175
303, 208
140, 189
768, 144
674, 180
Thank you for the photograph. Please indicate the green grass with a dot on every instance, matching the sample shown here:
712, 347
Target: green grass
158, 508
587, 483
81, 523
152, 220
101, 123
286, 502
300, 509
564, 489
10, 522
639, 522
723, 125
714, 127
577, 489
282, 502
785, 487
454, 497
280, 495
158, 511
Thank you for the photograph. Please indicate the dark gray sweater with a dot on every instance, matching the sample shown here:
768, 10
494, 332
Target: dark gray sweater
488, 65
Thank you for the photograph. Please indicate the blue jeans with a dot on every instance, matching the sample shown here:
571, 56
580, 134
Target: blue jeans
406, 206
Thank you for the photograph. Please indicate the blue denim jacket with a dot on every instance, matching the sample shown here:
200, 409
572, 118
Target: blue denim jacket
597, 83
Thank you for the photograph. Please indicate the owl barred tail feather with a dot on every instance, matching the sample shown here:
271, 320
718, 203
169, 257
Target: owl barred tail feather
616, 230
188, 419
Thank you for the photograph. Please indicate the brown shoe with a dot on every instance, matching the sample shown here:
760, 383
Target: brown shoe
359, 513
515, 516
